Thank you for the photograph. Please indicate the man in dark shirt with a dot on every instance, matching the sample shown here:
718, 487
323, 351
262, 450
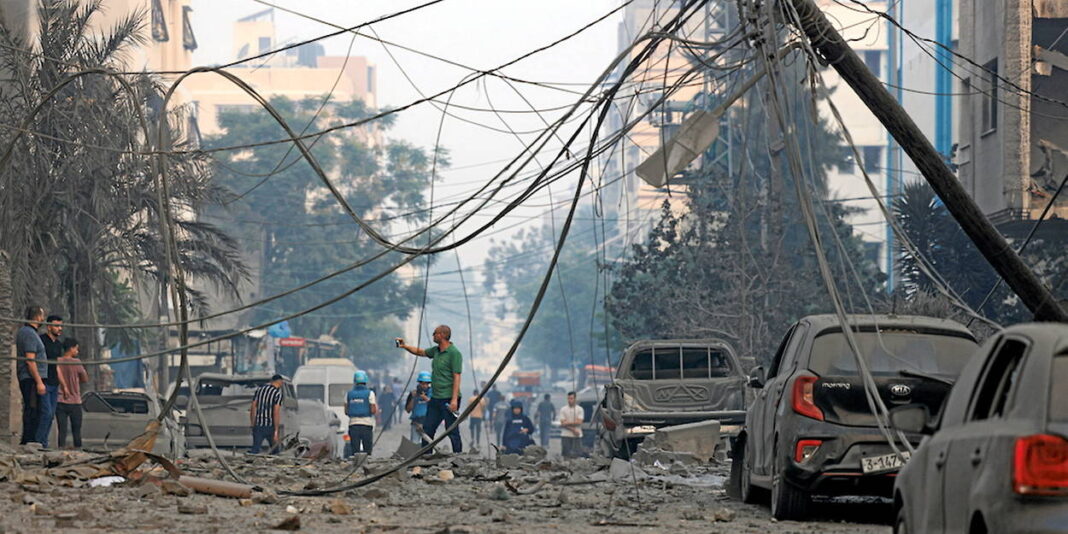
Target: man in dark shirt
545, 413
53, 350
31, 371
265, 414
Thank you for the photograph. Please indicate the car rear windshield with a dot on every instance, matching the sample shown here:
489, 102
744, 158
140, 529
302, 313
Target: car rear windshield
227, 388
679, 362
1058, 389
338, 394
310, 391
892, 351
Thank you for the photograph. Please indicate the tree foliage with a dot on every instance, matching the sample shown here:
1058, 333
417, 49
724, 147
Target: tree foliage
79, 198
569, 330
288, 219
739, 263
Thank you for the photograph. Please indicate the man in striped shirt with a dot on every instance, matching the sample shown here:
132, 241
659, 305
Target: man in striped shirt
265, 414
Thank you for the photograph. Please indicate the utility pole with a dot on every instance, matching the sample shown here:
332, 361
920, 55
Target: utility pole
829, 43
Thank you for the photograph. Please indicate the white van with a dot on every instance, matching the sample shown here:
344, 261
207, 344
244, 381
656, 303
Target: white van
327, 380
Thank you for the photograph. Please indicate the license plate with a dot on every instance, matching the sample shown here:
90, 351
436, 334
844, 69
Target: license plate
884, 463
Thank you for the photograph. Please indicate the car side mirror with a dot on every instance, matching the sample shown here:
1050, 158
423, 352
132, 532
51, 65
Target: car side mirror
335, 422
756, 377
914, 418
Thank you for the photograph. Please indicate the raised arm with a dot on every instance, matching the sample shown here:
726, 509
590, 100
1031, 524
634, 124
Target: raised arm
413, 350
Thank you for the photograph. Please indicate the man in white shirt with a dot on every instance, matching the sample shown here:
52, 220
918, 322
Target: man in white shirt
571, 418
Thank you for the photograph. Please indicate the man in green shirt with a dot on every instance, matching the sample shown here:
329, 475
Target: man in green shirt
446, 364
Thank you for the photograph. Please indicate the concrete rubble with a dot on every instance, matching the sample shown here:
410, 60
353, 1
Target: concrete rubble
533, 492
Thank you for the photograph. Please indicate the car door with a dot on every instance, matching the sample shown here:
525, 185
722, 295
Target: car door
762, 422
924, 497
964, 459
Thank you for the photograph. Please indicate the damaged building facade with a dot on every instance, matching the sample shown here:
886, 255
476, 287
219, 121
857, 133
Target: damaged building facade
1013, 137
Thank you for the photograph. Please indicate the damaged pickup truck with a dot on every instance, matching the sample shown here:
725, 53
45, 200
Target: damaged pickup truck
671, 382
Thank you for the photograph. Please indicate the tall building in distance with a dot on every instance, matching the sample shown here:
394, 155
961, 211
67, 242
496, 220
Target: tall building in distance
298, 73
1013, 132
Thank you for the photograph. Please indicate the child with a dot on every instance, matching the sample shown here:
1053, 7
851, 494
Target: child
69, 408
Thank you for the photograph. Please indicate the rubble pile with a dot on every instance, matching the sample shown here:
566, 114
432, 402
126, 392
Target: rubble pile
439, 493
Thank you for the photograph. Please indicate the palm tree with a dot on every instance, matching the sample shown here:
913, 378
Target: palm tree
79, 209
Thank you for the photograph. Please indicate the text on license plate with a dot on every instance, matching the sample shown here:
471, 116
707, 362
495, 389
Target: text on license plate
879, 464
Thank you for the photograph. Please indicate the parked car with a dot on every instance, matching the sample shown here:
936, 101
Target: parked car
671, 382
225, 401
111, 420
319, 430
810, 430
999, 459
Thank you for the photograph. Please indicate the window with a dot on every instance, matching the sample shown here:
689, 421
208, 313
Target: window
776, 362
989, 114
874, 60
189, 40
667, 363
235, 108
848, 165
873, 159
310, 391
887, 353
159, 23
991, 397
265, 44
371, 79
338, 394
1058, 389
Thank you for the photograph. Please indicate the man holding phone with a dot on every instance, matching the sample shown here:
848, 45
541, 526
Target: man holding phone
446, 366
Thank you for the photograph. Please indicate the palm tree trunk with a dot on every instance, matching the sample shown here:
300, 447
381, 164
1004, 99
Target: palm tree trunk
6, 340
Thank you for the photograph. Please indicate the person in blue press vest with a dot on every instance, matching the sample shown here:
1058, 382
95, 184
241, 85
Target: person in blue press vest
517, 430
416, 405
361, 407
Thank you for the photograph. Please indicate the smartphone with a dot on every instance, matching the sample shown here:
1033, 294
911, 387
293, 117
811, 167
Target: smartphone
397, 342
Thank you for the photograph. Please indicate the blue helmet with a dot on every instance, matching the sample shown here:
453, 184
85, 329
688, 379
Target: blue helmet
424, 376
516, 403
359, 377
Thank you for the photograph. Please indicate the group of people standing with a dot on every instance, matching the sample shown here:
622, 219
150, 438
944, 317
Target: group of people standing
50, 376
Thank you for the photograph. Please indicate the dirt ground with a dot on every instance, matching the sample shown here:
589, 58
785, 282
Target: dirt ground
465, 493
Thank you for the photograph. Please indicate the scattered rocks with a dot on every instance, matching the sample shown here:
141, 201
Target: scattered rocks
290, 523
338, 507
265, 497
446, 475
191, 509
375, 493
508, 461
724, 515
534, 453
498, 493
172, 487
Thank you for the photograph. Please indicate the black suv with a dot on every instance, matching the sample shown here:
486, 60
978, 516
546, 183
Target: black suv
809, 429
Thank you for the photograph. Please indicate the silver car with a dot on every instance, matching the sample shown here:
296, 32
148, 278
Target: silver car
225, 401
998, 461
110, 420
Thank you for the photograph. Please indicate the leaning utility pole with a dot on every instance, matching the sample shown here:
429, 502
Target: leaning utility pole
827, 41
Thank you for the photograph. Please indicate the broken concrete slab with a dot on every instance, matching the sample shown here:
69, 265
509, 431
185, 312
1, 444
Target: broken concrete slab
699, 439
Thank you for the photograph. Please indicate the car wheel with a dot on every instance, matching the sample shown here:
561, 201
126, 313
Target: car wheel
742, 472
787, 501
900, 524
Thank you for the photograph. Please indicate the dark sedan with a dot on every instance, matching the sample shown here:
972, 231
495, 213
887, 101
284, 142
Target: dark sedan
810, 429
999, 459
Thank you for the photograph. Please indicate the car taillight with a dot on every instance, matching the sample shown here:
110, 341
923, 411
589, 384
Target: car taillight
803, 397
806, 448
1040, 465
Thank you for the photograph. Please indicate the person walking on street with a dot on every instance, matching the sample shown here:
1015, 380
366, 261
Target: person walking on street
495, 399
265, 415
388, 401
517, 430
571, 418
500, 419
69, 407
545, 414
446, 366
416, 404
31, 372
53, 350
477, 415
361, 407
